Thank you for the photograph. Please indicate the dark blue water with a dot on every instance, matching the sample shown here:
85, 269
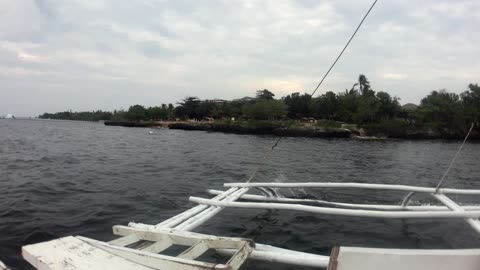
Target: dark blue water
76, 178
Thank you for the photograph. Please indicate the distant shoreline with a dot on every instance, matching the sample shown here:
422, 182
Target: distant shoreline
278, 128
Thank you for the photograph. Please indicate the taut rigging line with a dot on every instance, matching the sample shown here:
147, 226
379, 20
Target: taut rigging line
267, 154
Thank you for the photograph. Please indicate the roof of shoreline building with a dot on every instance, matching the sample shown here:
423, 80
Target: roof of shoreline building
244, 99
410, 107
216, 100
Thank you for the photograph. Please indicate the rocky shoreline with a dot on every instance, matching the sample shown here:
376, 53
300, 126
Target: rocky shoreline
308, 131
279, 131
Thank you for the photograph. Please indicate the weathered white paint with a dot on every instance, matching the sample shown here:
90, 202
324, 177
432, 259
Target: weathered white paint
474, 223
261, 252
3, 266
194, 251
69, 253
199, 243
157, 247
125, 241
175, 230
357, 185
349, 205
204, 216
189, 219
174, 221
341, 212
179, 237
240, 256
354, 258
155, 261
284, 256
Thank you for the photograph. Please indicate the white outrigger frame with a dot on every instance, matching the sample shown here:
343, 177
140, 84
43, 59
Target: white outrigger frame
140, 242
449, 210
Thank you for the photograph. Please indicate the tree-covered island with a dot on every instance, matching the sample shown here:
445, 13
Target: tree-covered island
359, 110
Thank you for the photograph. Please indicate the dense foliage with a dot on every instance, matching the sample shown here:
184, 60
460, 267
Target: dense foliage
82, 116
360, 105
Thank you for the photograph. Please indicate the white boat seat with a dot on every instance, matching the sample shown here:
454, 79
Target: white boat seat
76, 252
357, 258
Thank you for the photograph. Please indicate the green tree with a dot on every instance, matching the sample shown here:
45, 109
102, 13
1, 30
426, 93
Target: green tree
265, 94
364, 85
471, 103
298, 105
171, 111
265, 110
348, 105
188, 108
325, 106
367, 109
388, 107
120, 115
225, 109
442, 109
158, 113
234, 108
136, 113
80, 116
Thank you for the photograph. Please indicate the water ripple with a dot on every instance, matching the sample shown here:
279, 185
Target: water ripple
71, 178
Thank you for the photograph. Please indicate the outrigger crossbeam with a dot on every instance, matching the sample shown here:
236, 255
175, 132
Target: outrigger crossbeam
141, 246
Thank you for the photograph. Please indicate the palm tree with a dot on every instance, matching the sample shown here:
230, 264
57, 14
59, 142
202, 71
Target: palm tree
364, 84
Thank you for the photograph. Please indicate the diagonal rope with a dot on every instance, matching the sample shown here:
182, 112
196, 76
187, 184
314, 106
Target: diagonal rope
266, 156
453, 159
344, 48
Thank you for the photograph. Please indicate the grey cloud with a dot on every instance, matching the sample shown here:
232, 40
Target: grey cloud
109, 54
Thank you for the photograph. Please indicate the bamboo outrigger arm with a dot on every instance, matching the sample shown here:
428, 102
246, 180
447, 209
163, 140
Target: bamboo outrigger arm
358, 185
140, 246
341, 212
448, 209
253, 197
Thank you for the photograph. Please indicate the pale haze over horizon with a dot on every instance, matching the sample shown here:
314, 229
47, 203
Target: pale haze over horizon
58, 55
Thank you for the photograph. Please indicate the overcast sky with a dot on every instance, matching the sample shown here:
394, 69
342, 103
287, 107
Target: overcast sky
58, 55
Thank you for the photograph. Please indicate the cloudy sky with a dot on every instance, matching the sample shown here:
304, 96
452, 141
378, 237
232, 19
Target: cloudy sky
59, 55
